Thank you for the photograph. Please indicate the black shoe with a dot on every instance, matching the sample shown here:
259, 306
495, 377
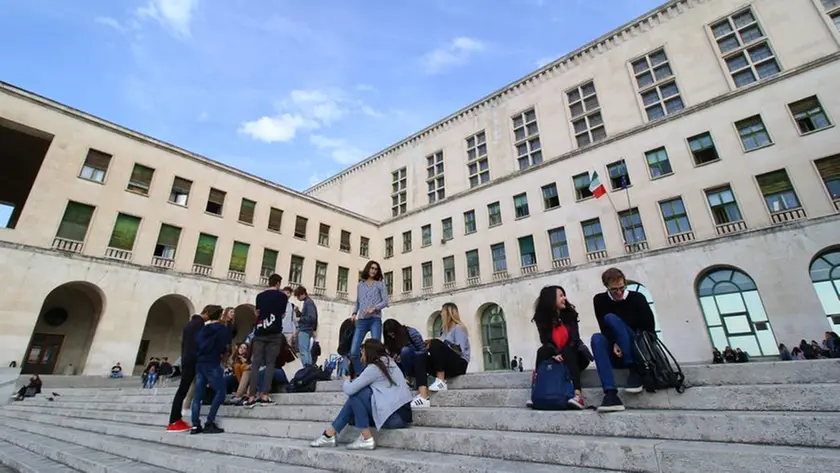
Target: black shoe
196, 429
634, 382
212, 428
266, 401
611, 402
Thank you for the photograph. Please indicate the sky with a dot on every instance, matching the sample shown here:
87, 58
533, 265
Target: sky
293, 91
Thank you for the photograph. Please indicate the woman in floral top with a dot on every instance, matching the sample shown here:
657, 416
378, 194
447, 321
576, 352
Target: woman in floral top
371, 298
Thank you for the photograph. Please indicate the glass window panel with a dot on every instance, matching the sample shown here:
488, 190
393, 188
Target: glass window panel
744, 282
710, 311
730, 304
754, 306
828, 297
767, 342
747, 343
737, 324
718, 337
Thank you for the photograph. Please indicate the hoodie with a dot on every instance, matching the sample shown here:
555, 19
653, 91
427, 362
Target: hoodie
271, 305
308, 322
211, 342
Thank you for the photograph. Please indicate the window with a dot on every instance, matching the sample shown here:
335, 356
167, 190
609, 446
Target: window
753, 134
585, 112
300, 227
658, 163
406, 238
809, 115
829, 170
343, 277
95, 166
275, 219
364, 247
141, 179
656, 85
180, 192
619, 178
723, 206
427, 275
499, 257
494, 214
389, 247
825, 277
246, 211
676, 219
239, 256
527, 253
269, 262
520, 205
323, 234
778, 191
398, 192
7, 218
344, 242
559, 245
446, 228
388, 278
296, 269
745, 48
167, 242
205, 249
593, 236
75, 222
582, 182
449, 269
426, 235
631, 226
526, 139
478, 166
434, 177
320, 275
469, 222
125, 232
550, 198
406, 280
215, 202
473, 266
703, 148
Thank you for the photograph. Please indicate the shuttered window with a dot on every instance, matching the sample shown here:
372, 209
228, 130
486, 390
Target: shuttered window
205, 249
829, 169
125, 232
246, 211
75, 222
141, 179
180, 193
300, 227
269, 262
239, 256
774, 182
167, 241
345, 241
96, 166
215, 201
275, 219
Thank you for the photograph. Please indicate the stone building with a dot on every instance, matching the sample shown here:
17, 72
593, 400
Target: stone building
710, 123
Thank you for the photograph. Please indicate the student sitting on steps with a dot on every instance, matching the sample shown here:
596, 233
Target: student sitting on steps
449, 355
406, 345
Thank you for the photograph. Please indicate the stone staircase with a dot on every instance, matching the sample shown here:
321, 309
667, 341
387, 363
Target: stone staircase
756, 417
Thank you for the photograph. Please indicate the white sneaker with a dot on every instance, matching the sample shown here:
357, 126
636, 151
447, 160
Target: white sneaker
362, 444
438, 385
323, 441
420, 402
186, 412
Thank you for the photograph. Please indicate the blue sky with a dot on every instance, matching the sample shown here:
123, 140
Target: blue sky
293, 91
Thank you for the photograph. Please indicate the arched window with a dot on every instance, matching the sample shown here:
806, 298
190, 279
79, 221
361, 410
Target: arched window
494, 338
825, 275
641, 289
436, 325
734, 313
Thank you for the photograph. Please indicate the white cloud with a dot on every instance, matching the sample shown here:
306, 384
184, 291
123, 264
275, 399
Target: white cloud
174, 14
338, 148
111, 22
275, 129
455, 53
366, 88
323, 106
203, 117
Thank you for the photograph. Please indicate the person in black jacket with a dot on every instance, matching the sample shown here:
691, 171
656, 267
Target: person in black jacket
268, 339
557, 323
211, 344
345, 340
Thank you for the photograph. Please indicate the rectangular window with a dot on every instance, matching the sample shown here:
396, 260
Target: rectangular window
389, 247
239, 256
399, 182
703, 148
473, 266
300, 227
582, 182
478, 164
657, 85
499, 257
344, 242
388, 278
75, 222
205, 249
180, 192
745, 48
494, 214
550, 198
95, 166
527, 253
324, 234
526, 139
125, 232
343, 278
167, 242
675, 216
593, 236
778, 191
520, 205
141, 179
469, 222
296, 269
427, 275
446, 228
449, 269
829, 169
434, 177
406, 238
320, 275
364, 247
619, 178
753, 133
631, 226
407, 286
559, 245
246, 211
215, 202
426, 235
585, 113
658, 163
723, 206
809, 115
275, 219
269, 262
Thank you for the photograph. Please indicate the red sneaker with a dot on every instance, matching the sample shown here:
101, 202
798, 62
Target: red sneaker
577, 402
178, 426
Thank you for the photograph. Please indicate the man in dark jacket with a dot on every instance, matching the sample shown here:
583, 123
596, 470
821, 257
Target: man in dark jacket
307, 326
268, 339
211, 344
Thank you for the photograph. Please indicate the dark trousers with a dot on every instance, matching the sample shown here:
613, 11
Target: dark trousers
264, 352
187, 377
413, 363
575, 361
213, 375
443, 358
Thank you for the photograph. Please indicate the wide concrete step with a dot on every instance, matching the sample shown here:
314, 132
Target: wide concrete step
21, 460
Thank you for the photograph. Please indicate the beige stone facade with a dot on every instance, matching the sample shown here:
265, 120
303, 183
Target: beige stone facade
718, 115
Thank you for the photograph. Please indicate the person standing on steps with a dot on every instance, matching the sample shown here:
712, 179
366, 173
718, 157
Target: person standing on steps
449, 355
268, 339
289, 325
371, 298
176, 422
620, 314
211, 345
307, 326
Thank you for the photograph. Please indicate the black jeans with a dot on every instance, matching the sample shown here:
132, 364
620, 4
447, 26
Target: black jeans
575, 361
187, 377
443, 358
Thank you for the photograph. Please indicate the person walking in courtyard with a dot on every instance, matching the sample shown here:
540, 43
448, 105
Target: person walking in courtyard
307, 326
449, 355
211, 345
176, 422
371, 298
268, 338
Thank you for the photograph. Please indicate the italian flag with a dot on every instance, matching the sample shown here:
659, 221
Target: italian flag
595, 187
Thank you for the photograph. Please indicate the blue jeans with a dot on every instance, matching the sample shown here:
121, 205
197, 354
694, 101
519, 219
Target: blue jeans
212, 374
602, 349
304, 348
409, 365
151, 379
357, 411
343, 367
363, 326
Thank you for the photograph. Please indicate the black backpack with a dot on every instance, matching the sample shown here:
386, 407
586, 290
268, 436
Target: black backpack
305, 380
657, 366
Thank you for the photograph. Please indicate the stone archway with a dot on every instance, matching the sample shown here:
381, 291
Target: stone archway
162, 334
65, 329
434, 326
494, 341
245, 317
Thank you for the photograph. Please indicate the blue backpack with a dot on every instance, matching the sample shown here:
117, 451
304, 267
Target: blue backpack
551, 387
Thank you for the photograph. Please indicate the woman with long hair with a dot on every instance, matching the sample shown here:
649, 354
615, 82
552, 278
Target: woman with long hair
371, 298
406, 345
379, 393
449, 355
241, 361
557, 323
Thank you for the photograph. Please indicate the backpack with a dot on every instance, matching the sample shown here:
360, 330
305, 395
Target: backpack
657, 366
345, 338
551, 387
305, 380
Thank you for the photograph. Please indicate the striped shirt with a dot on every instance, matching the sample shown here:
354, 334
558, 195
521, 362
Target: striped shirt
371, 295
415, 339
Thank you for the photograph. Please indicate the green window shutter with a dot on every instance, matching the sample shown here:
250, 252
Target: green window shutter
141, 178
526, 245
169, 235
269, 260
246, 211
829, 168
774, 182
75, 222
239, 256
205, 249
125, 232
